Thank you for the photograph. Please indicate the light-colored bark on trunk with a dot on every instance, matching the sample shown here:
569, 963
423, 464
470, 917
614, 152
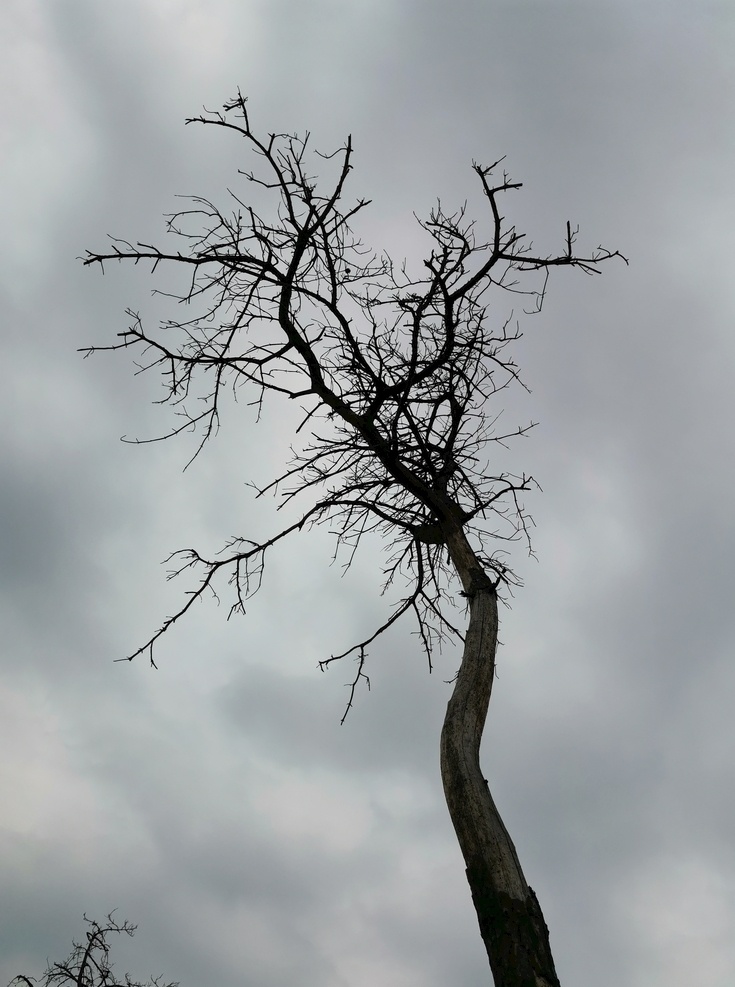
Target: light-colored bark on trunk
510, 919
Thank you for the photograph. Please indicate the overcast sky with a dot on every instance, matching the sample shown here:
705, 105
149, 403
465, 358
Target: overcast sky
217, 802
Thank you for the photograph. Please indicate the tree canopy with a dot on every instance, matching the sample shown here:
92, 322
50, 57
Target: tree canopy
399, 376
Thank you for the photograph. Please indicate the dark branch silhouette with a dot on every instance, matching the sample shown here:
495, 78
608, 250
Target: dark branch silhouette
88, 964
398, 375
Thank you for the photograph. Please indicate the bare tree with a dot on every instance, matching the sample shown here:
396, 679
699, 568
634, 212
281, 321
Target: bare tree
398, 375
88, 964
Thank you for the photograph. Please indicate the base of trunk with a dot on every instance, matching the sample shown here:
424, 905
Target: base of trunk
515, 935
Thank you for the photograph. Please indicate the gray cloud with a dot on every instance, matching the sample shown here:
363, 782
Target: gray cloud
217, 801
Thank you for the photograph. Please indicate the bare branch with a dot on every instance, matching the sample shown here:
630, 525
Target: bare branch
88, 964
396, 375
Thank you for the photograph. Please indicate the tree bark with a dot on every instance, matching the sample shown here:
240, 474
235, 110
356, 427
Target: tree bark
511, 923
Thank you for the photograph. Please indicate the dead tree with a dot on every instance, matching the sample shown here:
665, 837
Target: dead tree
88, 963
398, 374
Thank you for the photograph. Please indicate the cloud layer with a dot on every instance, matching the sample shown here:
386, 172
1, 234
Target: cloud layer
217, 802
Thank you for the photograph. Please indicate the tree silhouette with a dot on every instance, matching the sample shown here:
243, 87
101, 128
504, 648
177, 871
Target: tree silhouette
88, 964
398, 375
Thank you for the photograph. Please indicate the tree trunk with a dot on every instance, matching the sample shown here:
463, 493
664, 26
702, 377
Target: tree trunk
511, 922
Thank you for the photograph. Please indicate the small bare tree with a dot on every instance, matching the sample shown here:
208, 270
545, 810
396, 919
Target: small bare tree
88, 964
398, 375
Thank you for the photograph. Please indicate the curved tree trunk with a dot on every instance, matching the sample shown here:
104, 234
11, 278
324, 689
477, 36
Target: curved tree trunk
511, 922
